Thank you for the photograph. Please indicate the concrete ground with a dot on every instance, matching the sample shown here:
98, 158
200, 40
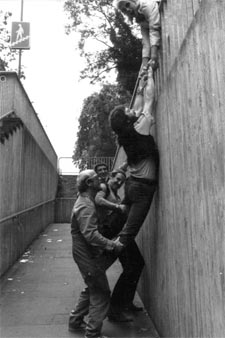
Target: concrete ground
39, 291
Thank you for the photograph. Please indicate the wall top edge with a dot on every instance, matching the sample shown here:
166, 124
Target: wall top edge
13, 75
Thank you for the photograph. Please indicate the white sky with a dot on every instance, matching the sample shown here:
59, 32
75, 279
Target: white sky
52, 68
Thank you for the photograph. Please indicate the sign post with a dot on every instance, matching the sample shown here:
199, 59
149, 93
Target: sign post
20, 36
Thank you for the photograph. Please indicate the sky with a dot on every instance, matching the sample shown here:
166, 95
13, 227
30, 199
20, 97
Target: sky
52, 67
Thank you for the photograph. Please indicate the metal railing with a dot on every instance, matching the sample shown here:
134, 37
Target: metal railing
67, 166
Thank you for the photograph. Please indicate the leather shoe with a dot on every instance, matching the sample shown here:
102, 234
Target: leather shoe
133, 308
75, 328
119, 316
98, 337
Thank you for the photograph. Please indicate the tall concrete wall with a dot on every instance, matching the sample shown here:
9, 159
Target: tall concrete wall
28, 172
13, 98
183, 237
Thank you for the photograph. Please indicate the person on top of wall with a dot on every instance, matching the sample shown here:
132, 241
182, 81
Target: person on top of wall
90, 250
133, 134
146, 13
112, 217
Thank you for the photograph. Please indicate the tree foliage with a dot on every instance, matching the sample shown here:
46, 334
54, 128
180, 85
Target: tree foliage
116, 48
6, 54
121, 50
94, 137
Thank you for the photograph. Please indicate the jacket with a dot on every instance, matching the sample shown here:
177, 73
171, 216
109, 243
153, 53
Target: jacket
150, 26
84, 227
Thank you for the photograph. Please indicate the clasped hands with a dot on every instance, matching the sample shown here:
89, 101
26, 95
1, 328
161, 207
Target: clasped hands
118, 246
122, 208
153, 63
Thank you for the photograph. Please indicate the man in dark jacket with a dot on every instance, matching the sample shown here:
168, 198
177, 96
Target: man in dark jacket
88, 253
133, 134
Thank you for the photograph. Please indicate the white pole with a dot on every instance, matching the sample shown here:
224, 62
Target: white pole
20, 51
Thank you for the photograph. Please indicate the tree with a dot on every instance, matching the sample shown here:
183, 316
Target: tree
121, 49
95, 138
6, 54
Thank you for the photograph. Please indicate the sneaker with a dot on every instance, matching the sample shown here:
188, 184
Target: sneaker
133, 308
78, 327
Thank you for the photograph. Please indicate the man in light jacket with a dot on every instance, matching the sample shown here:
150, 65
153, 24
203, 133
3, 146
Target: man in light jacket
146, 13
93, 254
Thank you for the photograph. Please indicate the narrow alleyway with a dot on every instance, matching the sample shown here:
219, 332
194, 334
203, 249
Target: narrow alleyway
39, 291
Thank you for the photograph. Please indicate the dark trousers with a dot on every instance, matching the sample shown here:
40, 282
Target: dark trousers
132, 263
138, 196
131, 260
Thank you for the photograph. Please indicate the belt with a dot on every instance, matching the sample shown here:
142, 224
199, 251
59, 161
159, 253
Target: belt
148, 181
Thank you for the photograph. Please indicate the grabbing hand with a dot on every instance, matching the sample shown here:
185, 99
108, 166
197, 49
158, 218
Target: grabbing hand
154, 64
143, 72
118, 246
123, 208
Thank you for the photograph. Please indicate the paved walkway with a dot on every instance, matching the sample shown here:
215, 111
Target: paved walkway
39, 291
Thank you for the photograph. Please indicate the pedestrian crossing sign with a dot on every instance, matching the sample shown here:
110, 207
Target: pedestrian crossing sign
20, 35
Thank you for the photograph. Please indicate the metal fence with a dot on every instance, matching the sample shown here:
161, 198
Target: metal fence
67, 166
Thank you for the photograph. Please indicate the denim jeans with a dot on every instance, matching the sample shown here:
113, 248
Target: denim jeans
133, 263
138, 196
94, 300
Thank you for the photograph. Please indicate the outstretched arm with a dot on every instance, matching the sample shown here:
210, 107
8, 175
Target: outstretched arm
146, 118
101, 200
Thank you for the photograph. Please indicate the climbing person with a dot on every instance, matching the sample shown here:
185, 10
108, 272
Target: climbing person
133, 134
147, 15
112, 217
93, 254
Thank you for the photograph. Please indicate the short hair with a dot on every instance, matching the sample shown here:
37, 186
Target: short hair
118, 118
83, 177
118, 3
100, 165
118, 171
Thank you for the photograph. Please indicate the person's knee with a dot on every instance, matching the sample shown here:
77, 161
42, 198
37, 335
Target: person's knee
97, 283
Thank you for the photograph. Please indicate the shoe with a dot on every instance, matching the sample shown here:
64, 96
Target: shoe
133, 308
119, 316
78, 327
98, 337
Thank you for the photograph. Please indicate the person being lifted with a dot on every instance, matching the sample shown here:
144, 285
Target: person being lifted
133, 134
112, 217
